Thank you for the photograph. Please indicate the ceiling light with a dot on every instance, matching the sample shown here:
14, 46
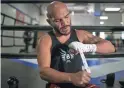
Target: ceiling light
102, 35
101, 22
103, 17
78, 8
72, 13
112, 9
90, 10
94, 33
121, 22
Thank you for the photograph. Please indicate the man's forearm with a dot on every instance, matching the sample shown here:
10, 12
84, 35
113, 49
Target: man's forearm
55, 76
105, 47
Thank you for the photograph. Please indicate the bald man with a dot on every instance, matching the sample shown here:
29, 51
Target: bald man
59, 64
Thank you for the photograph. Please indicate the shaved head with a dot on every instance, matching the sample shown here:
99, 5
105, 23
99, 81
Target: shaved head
55, 6
58, 17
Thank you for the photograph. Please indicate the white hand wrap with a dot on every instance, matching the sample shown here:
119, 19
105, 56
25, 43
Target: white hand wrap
80, 48
83, 47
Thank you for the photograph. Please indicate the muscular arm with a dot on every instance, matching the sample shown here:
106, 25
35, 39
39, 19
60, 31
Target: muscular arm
103, 46
44, 60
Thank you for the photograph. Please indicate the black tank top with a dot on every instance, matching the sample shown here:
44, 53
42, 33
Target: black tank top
63, 59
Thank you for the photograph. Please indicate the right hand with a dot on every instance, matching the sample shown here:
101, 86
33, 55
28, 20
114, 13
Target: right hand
80, 78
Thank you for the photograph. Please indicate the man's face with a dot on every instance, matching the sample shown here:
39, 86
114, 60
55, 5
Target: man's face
61, 22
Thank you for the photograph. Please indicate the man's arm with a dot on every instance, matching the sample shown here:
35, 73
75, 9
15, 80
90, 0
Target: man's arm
44, 60
103, 46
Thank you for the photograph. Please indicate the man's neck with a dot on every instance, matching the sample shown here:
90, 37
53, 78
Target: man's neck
61, 35
62, 38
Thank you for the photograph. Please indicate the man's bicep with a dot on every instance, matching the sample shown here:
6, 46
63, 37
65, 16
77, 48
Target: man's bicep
43, 54
91, 39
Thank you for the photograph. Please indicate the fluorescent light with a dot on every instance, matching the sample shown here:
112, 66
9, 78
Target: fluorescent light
72, 13
101, 22
94, 33
90, 10
78, 8
122, 35
121, 22
102, 35
103, 17
112, 9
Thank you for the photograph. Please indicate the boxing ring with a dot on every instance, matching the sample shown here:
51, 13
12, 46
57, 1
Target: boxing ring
26, 70
24, 65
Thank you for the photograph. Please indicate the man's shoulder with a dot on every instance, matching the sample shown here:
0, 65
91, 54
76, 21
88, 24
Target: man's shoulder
44, 39
80, 31
82, 34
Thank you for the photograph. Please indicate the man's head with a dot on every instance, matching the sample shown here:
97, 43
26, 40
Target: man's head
59, 17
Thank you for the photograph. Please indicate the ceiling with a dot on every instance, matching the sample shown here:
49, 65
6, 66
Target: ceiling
78, 6
68, 1
85, 7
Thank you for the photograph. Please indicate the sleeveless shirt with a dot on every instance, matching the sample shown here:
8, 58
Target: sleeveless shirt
63, 58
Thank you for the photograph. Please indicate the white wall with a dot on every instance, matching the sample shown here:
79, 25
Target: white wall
114, 19
1, 18
83, 19
123, 19
27, 10
43, 20
117, 35
6, 9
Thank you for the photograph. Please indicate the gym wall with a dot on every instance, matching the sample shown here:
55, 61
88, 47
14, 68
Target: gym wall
28, 12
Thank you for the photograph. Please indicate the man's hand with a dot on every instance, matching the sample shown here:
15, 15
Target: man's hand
80, 78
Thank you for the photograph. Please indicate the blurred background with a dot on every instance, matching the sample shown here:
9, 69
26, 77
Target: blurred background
24, 21
82, 14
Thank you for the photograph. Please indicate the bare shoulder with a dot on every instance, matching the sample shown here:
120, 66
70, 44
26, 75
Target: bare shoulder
44, 38
82, 34
44, 41
87, 37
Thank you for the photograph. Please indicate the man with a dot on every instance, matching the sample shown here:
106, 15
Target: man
27, 39
58, 64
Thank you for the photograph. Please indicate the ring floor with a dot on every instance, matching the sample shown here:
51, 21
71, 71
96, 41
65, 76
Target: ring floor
27, 72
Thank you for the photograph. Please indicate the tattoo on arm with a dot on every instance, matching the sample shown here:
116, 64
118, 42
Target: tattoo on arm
88, 38
93, 40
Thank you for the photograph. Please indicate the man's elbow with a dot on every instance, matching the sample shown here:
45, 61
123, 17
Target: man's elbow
43, 77
105, 47
42, 74
110, 47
